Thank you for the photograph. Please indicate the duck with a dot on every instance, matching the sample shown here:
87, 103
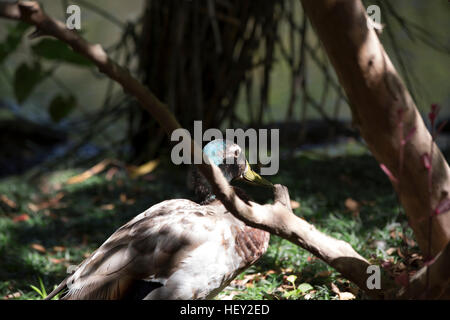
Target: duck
178, 248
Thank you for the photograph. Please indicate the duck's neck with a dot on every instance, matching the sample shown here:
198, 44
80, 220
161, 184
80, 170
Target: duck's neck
204, 193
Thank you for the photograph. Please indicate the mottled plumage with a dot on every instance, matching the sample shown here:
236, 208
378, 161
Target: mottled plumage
176, 249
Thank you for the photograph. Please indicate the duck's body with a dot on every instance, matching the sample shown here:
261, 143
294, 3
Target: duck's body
177, 249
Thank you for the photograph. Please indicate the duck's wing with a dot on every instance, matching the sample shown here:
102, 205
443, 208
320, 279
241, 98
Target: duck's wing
148, 247
174, 250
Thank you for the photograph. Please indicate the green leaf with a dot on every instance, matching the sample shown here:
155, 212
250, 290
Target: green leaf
56, 50
26, 78
61, 107
292, 278
13, 40
305, 287
41, 291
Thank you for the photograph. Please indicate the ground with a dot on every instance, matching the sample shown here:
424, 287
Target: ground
46, 225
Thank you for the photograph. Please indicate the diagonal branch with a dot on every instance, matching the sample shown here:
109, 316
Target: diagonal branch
276, 218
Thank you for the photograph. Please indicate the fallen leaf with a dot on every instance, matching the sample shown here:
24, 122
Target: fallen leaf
393, 234
352, 206
137, 171
38, 247
295, 204
14, 295
109, 206
346, 296
342, 295
89, 173
8, 201
33, 207
57, 261
323, 274
51, 203
22, 217
390, 251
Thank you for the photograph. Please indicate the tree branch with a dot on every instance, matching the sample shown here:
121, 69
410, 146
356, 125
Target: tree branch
376, 94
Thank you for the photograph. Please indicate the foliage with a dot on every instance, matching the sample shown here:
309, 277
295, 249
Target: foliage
65, 222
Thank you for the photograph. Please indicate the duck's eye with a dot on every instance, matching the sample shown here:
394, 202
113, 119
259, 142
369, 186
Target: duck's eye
236, 153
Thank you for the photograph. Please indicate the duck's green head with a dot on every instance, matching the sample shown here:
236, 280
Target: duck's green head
230, 158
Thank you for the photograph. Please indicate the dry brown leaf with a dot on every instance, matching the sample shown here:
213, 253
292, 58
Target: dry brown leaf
410, 242
38, 247
229, 296
14, 295
323, 274
99, 167
21, 217
108, 206
353, 206
137, 171
111, 173
295, 204
390, 251
57, 261
8, 201
393, 234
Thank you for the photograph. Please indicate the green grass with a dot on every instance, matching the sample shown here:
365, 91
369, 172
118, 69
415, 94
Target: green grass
89, 212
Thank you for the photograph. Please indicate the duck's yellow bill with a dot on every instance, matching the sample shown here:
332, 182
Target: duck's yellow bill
255, 178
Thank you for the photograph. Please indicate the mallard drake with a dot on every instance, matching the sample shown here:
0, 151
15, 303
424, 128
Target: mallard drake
177, 249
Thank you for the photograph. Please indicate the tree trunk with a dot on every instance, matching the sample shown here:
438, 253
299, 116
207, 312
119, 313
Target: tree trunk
376, 94
195, 57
